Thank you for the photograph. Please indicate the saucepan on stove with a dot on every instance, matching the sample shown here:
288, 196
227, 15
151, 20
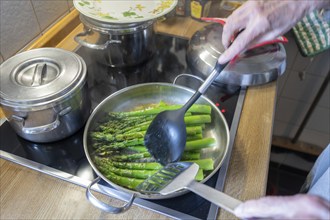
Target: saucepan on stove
121, 32
44, 94
128, 99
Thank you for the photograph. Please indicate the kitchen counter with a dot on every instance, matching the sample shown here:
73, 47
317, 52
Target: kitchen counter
28, 194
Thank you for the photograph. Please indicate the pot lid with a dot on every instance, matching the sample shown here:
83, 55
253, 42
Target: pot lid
40, 76
124, 11
253, 67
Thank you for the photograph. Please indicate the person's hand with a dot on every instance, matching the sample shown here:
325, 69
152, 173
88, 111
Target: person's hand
300, 206
259, 21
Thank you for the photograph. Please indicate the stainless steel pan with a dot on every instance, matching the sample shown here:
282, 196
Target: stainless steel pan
130, 97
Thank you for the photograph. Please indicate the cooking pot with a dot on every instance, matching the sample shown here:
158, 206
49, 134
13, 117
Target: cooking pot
121, 31
144, 94
118, 45
254, 67
44, 93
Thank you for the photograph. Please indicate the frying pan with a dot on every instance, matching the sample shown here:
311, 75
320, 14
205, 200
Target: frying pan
144, 94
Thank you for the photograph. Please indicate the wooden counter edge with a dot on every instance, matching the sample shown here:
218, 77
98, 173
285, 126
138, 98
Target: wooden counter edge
57, 32
28, 194
252, 146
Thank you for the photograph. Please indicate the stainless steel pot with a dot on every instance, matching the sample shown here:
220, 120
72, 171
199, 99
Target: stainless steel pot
44, 93
118, 45
137, 95
254, 67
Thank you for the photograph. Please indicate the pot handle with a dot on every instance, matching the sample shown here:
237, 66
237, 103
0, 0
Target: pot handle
103, 206
91, 45
44, 128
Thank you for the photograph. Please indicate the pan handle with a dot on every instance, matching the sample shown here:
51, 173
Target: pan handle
103, 206
187, 75
43, 128
87, 32
219, 198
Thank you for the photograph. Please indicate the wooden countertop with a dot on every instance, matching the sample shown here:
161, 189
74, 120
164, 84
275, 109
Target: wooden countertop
28, 194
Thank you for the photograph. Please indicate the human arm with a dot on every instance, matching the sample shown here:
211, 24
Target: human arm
300, 206
259, 21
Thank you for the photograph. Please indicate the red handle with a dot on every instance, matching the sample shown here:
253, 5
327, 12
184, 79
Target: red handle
221, 21
280, 39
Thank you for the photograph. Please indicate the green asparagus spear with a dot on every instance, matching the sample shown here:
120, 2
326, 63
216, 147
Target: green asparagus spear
138, 166
100, 136
200, 175
130, 157
191, 155
138, 149
205, 164
127, 182
194, 137
197, 119
199, 144
120, 145
138, 174
196, 108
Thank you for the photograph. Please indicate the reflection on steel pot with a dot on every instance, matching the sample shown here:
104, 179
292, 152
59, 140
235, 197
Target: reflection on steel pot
254, 67
146, 94
44, 93
118, 45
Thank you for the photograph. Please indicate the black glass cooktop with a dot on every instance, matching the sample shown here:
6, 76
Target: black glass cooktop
68, 156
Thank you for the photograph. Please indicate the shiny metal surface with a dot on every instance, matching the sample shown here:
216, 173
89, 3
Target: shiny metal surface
103, 206
143, 94
41, 76
53, 123
44, 94
254, 67
114, 28
181, 175
118, 45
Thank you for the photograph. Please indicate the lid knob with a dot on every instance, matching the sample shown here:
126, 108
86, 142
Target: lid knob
36, 73
39, 74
